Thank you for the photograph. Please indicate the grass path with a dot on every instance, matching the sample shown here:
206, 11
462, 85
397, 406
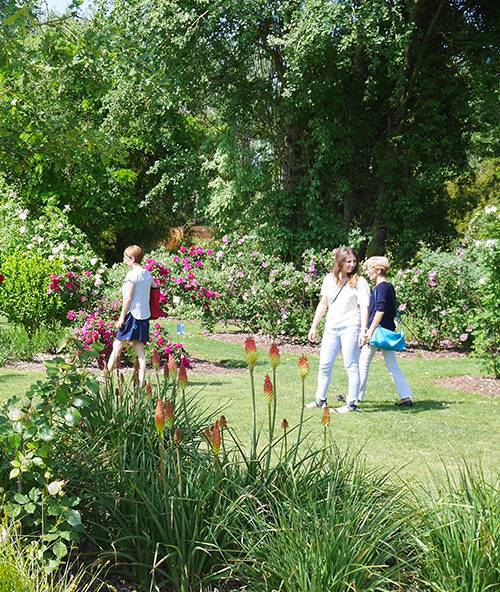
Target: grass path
443, 428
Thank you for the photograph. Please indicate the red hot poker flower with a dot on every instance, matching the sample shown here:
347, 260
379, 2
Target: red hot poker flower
223, 422
268, 389
284, 425
155, 359
160, 417
216, 439
177, 436
303, 365
169, 415
183, 379
251, 352
325, 420
172, 367
274, 355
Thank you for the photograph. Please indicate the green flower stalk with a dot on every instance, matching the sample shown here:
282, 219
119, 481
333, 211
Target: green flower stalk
303, 369
251, 357
160, 429
274, 358
284, 427
177, 442
269, 395
182, 379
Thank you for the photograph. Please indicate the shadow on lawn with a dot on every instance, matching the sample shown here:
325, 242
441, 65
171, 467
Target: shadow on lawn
417, 407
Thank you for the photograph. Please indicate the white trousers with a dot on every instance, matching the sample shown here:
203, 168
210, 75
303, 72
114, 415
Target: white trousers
334, 339
391, 363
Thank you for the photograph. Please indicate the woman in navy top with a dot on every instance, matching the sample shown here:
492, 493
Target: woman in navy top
381, 311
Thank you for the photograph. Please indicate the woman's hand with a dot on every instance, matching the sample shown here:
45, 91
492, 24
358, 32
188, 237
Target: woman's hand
312, 336
119, 323
363, 338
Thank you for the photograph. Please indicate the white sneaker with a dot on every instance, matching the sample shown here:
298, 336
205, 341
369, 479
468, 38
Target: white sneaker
315, 405
349, 408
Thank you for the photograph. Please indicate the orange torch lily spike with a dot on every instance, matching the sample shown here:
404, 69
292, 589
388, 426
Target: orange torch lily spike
216, 439
155, 359
268, 389
172, 367
303, 366
274, 355
160, 417
251, 352
182, 377
169, 415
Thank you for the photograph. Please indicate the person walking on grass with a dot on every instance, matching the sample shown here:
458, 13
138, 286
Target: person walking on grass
344, 299
382, 311
133, 323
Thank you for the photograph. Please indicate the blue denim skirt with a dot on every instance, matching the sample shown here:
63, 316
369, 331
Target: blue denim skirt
134, 330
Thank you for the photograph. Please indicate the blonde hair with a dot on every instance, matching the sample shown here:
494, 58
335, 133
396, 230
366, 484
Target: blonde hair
134, 251
341, 255
378, 263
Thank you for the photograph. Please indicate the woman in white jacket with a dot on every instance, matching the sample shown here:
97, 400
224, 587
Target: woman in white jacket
344, 298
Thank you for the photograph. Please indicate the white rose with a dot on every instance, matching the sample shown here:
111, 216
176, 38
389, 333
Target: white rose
93, 261
15, 414
490, 210
55, 250
55, 487
60, 226
23, 214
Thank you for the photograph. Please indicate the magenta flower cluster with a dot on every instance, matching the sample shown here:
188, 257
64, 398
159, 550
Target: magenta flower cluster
77, 290
180, 277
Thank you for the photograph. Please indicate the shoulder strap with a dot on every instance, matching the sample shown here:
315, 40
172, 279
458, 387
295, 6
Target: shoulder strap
337, 294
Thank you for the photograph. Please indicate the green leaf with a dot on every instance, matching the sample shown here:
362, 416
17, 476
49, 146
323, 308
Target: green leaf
14, 473
29, 508
73, 517
72, 416
60, 550
20, 498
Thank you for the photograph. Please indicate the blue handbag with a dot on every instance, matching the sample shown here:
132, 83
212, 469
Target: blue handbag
385, 339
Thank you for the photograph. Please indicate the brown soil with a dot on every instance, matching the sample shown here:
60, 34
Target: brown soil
481, 385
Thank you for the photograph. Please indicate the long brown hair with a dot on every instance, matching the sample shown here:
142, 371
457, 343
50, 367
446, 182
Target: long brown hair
341, 255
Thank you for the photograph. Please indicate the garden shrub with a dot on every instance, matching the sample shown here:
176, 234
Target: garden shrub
483, 250
48, 257
24, 297
438, 296
16, 344
259, 291
30, 431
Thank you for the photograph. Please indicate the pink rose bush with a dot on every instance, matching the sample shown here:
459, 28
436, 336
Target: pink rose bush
98, 326
438, 295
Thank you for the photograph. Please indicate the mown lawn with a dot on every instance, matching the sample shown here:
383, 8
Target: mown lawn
444, 428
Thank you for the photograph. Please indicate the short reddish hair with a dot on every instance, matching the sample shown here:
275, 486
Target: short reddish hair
134, 251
